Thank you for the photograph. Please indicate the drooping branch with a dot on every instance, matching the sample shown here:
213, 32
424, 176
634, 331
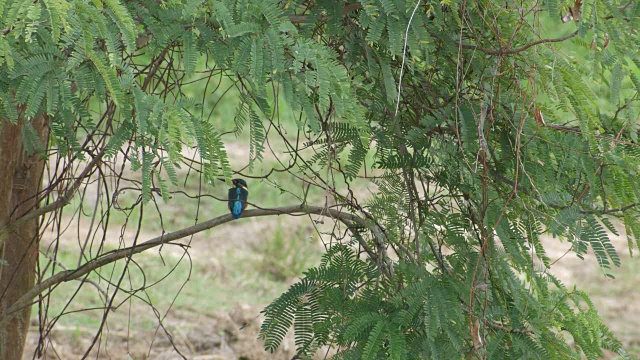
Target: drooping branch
352, 221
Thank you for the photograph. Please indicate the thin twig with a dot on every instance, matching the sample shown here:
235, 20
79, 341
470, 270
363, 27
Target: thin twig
60, 202
503, 51
98, 287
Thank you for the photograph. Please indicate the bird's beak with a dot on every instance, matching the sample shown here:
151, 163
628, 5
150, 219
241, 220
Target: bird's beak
244, 187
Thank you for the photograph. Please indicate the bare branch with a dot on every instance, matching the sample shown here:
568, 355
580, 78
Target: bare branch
348, 219
60, 202
98, 287
503, 51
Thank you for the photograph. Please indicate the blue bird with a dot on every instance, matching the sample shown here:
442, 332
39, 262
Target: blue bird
238, 197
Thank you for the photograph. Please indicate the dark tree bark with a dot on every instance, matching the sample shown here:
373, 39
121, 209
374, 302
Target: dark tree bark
20, 180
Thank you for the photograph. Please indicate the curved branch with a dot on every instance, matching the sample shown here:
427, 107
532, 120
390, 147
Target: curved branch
502, 51
352, 221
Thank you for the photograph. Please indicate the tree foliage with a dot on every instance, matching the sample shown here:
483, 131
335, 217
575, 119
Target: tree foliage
484, 125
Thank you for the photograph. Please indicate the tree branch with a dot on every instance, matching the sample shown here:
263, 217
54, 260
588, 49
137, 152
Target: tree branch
60, 202
503, 51
299, 19
98, 287
348, 219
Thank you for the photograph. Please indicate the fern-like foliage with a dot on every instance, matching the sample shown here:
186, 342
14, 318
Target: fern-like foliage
472, 176
340, 302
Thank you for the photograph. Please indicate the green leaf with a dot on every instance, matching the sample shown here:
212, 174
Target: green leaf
375, 340
190, 52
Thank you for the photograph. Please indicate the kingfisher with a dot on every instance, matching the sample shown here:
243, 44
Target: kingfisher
238, 197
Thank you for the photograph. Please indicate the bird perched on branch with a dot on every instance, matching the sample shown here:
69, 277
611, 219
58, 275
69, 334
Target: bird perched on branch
238, 197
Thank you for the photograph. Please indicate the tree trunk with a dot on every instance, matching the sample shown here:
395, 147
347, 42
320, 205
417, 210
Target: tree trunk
20, 180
